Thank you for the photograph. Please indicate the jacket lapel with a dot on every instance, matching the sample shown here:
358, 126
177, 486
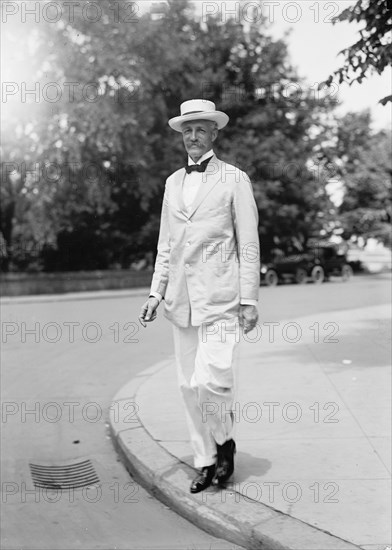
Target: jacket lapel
210, 178
178, 183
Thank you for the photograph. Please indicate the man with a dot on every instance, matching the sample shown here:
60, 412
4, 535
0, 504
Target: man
207, 271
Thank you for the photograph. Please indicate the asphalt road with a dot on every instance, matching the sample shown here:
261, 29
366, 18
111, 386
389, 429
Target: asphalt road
62, 362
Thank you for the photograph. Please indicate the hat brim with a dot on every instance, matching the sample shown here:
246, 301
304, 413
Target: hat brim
217, 116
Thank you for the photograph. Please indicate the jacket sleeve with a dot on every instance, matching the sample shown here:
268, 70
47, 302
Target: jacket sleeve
161, 270
246, 218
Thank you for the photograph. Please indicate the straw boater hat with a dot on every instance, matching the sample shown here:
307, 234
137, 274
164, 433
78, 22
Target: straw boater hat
198, 109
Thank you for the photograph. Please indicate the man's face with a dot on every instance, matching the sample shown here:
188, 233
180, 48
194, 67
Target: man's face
198, 137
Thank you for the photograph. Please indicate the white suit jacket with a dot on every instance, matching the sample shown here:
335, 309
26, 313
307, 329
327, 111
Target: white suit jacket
208, 257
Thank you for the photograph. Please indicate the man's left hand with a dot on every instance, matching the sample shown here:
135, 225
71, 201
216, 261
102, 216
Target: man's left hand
248, 317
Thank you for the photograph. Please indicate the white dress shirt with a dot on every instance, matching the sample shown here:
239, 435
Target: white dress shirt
190, 187
193, 181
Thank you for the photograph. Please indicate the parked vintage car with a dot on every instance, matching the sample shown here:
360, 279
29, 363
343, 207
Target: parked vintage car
317, 264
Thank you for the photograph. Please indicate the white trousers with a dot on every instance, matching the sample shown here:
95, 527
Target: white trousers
206, 359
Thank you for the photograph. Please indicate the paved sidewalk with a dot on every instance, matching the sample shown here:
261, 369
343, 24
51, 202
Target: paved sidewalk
72, 296
313, 440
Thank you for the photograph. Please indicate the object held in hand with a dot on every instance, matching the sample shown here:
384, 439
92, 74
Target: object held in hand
143, 314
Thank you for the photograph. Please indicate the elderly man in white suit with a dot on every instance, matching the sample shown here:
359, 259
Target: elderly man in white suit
207, 272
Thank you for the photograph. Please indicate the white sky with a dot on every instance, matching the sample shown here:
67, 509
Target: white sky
314, 45
314, 49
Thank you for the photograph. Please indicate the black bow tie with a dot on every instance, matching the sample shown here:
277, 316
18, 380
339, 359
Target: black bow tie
197, 167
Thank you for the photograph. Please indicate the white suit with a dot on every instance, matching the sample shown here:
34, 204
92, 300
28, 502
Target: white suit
207, 263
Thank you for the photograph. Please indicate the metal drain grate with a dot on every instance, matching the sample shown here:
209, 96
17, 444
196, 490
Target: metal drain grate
73, 476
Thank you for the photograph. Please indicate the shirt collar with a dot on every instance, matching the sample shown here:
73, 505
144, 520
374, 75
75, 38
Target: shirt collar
204, 157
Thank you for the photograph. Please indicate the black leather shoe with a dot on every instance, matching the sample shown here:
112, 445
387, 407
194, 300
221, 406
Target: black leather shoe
203, 479
225, 462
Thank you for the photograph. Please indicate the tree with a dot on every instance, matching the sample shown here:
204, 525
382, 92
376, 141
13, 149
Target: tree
128, 78
366, 170
271, 134
373, 51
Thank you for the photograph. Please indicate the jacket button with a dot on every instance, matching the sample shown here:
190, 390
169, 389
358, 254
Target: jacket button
188, 243
186, 265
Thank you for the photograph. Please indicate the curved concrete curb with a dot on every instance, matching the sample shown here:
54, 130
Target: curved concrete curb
236, 518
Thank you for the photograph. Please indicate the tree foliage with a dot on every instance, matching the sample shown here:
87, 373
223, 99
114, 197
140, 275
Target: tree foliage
366, 170
373, 50
83, 176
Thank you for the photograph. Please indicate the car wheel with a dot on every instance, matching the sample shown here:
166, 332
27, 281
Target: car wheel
271, 278
301, 276
347, 272
317, 274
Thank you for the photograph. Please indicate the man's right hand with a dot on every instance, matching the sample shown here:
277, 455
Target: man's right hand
148, 311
